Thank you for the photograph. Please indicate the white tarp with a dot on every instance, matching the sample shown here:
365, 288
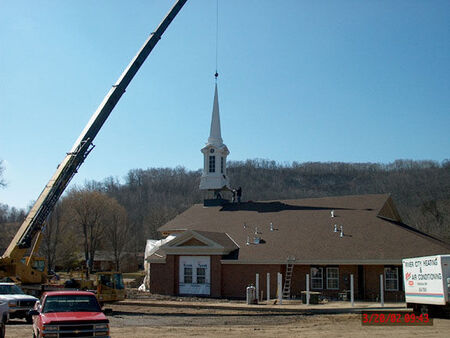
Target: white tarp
154, 244
150, 248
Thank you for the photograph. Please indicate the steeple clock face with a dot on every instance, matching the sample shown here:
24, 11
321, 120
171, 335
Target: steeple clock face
211, 151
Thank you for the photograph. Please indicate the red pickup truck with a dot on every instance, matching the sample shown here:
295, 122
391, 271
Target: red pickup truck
69, 314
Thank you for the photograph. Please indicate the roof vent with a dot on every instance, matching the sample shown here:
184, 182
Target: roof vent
335, 228
245, 225
271, 226
256, 240
342, 232
248, 241
332, 213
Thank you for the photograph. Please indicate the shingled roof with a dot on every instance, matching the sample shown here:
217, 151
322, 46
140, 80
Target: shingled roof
304, 229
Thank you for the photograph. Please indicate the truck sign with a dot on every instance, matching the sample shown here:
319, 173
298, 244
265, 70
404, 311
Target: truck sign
426, 279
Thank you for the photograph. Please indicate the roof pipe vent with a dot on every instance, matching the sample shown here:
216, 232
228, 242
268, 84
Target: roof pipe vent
335, 228
342, 232
271, 226
332, 213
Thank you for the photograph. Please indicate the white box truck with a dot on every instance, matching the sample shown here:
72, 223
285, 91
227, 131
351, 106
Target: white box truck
427, 283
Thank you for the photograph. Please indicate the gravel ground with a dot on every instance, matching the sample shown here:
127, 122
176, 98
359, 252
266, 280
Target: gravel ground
124, 316
174, 320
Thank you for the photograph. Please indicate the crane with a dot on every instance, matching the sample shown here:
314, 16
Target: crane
12, 263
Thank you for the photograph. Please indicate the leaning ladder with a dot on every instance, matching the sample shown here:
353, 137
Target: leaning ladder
288, 278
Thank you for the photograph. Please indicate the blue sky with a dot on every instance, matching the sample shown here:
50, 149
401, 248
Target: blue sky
353, 81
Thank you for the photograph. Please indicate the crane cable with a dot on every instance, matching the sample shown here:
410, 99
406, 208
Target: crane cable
217, 37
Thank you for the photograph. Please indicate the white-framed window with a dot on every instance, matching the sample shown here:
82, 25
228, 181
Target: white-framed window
317, 278
212, 164
391, 278
201, 274
333, 278
187, 274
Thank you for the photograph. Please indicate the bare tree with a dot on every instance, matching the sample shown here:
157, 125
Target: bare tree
2, 179
68, 246
117, 231
152, 197
88, 211
51, 236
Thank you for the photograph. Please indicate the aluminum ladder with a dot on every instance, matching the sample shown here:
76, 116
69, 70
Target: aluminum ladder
288, 278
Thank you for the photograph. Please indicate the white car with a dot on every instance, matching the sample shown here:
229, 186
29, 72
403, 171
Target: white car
18, 302
3, 317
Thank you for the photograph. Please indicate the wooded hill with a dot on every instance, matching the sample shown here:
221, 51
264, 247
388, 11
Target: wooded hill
151, 197
420, 189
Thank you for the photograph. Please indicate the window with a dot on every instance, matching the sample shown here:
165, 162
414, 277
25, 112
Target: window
188, 275
118, 281
39, 265
106, 280
316, 278
222, 162
201, 273
10, 289
212, 164
333, 278
71, 303
391, 278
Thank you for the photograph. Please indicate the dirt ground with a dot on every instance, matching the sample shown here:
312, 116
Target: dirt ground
174, 321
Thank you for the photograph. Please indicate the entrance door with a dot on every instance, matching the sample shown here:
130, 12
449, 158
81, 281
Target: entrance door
195, 275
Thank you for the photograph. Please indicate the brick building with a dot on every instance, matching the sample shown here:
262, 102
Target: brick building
219, 249
220, 246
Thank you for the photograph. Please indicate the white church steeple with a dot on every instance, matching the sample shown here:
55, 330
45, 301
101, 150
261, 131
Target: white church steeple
215, 136
215, 154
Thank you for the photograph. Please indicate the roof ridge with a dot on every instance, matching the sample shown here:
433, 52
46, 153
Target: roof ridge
232, 240
417, 231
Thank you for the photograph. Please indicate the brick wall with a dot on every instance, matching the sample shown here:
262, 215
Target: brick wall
298, 283
216, 277
372, 281
162, 277
236, 278
372, 284
231, 280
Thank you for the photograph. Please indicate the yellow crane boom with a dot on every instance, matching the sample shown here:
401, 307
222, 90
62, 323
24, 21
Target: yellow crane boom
11, 264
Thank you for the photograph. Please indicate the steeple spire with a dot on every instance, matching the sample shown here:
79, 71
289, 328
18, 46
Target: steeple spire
215, 154
215, 136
